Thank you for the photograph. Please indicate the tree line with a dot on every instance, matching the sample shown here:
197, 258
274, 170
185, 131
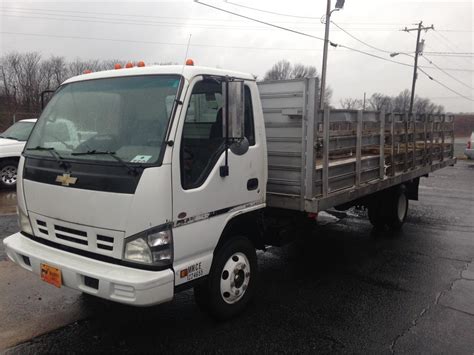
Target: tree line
399, 103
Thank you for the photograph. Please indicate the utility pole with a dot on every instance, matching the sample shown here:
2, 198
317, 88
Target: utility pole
418, 50
322, 92
363, 106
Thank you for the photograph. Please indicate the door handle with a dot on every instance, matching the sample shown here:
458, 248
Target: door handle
252, 184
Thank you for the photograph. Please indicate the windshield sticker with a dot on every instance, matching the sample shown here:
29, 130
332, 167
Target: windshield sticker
141, 159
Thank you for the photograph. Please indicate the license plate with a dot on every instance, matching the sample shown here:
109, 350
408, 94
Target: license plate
51, 275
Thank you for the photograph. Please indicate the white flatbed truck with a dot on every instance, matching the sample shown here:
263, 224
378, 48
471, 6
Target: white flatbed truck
184, 170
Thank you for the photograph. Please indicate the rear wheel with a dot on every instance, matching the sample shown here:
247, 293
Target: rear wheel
398, 209
8, 173
232, 280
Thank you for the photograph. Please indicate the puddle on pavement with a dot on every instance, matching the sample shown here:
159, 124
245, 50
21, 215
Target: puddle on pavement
7, 202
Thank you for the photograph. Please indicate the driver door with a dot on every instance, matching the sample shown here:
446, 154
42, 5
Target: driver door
203, 201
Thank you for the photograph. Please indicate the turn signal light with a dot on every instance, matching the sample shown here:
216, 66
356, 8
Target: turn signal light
141, 63
189, 62
129, 65
118, 66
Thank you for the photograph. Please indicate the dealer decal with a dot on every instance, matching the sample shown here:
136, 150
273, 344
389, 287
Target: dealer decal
192, 272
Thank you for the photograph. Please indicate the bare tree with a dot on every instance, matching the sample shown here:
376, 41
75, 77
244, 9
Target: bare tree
379, 102
279, 71
284, 70
303, 71
401, 102
351, 104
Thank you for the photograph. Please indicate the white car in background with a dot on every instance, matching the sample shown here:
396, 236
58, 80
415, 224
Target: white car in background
12, 142
469, 152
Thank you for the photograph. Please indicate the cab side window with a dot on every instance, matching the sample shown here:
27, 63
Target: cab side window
202, 141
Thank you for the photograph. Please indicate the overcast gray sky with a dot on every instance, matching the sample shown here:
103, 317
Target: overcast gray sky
158, 32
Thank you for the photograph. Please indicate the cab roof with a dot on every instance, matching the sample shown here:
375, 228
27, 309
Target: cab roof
187, 71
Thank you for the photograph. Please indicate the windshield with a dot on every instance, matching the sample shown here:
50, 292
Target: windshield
126, 116
19, 131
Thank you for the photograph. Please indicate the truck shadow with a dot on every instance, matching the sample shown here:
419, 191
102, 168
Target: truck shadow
305, 287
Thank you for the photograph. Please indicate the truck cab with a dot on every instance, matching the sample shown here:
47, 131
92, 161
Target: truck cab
130, 179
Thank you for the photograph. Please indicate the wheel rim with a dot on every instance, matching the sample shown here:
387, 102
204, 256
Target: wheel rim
235, 278
8, 175
402, 207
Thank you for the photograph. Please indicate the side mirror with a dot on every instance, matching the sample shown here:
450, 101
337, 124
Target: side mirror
233, 110
233, 113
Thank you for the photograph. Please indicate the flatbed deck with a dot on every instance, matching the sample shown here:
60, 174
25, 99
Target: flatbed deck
321, 159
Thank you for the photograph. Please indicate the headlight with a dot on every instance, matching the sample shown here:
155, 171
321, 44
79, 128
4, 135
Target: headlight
154, 246
24, 222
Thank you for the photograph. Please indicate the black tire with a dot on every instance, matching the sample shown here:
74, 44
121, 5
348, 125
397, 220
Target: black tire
397, 209
235, 263
8, 173
376, 215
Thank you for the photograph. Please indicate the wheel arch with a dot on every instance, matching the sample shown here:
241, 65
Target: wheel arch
248, 224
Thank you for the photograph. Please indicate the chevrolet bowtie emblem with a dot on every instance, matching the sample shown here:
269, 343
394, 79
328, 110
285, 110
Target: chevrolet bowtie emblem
66, 179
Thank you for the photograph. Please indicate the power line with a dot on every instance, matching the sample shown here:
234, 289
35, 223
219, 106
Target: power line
241, 47
131, 22
259, 21
269, 12
452, 53
156, 42
134, 15
343, 46
445, 72
121, 21
451, 60
445, 86
361, 41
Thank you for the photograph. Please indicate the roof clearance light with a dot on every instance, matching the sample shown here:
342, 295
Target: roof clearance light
87, 71
118, 66
189, 62
129, 65
141, 64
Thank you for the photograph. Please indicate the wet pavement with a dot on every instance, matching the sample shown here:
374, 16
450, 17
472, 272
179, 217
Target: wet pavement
7, 202
28, 306
344, 288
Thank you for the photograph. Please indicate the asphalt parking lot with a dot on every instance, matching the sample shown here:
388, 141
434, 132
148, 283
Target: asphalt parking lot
345, 288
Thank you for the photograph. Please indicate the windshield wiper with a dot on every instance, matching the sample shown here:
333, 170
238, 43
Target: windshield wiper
131, 168
53, 153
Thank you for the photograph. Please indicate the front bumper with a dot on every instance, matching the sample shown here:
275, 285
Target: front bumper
115, 282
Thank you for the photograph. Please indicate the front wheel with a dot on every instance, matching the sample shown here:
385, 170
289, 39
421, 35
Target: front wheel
232, 280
